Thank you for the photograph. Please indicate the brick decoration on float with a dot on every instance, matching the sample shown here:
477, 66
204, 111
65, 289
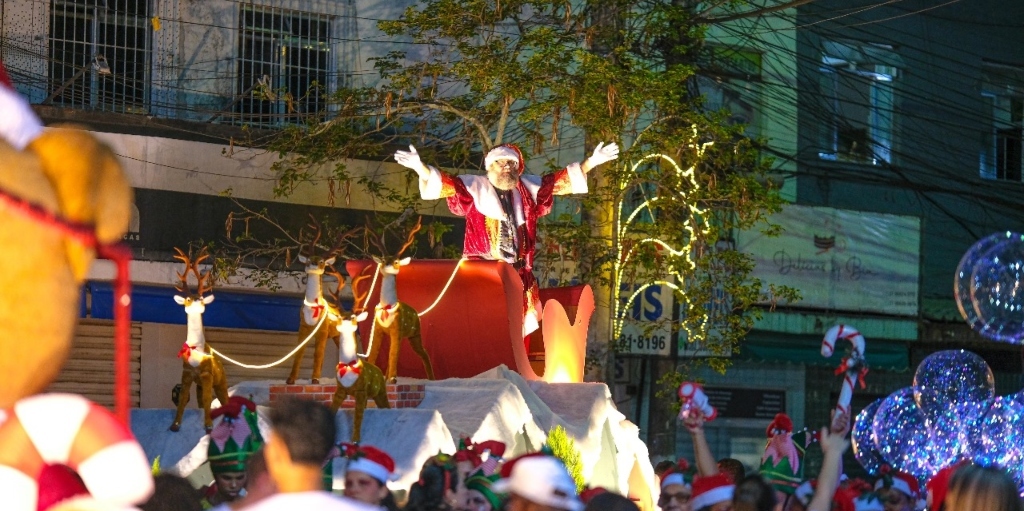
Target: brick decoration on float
399, 395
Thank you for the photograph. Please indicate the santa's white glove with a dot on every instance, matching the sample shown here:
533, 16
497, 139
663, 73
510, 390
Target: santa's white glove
602, 154
411, 159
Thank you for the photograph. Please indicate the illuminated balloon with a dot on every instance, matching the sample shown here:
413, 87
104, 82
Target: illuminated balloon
963, 284
1001, 438
862, 441
954, 380
996, 293
901, 434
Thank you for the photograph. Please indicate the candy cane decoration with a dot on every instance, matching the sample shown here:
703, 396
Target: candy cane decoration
853, 366
693, 397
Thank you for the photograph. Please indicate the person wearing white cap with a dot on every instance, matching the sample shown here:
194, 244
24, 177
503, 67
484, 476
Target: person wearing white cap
502, 209
538, 483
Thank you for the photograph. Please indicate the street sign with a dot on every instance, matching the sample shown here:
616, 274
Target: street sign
647, 327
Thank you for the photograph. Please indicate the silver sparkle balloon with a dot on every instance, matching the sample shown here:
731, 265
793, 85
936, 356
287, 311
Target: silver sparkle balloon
954, 390
1001, 438
963, 283
901, 434
997, 294
861, 438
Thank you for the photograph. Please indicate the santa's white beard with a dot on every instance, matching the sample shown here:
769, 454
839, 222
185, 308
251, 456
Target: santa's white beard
503, 180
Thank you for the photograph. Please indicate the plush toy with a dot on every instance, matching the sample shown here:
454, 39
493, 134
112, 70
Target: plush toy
62, 196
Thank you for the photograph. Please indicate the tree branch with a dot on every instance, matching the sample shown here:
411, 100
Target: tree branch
749, 14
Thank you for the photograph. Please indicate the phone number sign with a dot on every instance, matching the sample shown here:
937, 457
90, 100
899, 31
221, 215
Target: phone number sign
647, 327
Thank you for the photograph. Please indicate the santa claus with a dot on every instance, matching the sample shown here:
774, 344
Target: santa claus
502, 209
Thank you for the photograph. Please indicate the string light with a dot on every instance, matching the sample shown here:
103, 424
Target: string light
620, 309
279, 361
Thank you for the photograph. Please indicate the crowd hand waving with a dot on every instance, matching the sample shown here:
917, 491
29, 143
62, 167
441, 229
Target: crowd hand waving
602, 154
411, 159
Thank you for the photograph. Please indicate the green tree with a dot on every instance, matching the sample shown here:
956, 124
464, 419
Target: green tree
550, 75
563, 447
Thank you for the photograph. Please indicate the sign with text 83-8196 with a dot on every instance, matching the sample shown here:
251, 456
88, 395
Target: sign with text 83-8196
647, 325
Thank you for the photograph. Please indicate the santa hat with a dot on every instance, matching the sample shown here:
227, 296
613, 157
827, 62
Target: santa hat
486, 454
504, 152
710, 490
856, 495
938, 485
18, 124
680, 474
484, 483
370, 461
899, 481
235, 437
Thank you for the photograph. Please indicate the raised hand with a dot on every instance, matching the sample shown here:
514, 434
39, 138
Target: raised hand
602, 154
411, 159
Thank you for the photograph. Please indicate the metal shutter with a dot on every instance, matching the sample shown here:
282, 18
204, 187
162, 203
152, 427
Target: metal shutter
89, 370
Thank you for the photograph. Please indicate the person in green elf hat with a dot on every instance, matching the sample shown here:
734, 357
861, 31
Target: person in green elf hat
480, 495
232, 441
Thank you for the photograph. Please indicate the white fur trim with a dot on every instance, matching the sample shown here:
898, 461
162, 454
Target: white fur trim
899, 485
577, 179
18, 124
349, 379
119, 474
674, 478
501, 153
711, 497
52, 422
532, 183
19, 490
370, 468
430, 188
530, 324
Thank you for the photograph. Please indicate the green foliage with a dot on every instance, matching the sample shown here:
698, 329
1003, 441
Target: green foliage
564, 448
537, 72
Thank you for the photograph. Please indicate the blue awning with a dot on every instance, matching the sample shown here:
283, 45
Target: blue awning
231, 309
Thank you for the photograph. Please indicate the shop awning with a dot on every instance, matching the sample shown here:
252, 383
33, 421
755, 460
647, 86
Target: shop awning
806, 349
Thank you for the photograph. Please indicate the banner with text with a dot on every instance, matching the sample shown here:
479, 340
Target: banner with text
647, 326
841, 260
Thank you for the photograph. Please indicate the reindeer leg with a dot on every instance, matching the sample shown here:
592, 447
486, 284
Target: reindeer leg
183, 397
339, 398
417, 346
220, 382
396, 345
357, 421
318, 355
206, 381
296, 363
375, 342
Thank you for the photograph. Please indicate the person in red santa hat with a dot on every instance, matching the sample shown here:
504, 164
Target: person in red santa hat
899, 491
367, 474
712, 493
502, 209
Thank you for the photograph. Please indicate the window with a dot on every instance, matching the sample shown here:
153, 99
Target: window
1002, 154
283, 67
99, 54
857, 111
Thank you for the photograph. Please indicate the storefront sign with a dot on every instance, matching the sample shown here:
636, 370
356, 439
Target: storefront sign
736, 403
841, 260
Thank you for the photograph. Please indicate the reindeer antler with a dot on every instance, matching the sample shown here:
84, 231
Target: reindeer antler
410, 238
359, 299
192, 266
381, 243
313, 224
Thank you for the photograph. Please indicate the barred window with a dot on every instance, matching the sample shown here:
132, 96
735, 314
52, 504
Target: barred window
99, 52
283, 67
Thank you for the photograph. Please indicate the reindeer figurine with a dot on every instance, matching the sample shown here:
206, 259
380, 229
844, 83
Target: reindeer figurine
198, 366
357, 378
395, 319
314, 307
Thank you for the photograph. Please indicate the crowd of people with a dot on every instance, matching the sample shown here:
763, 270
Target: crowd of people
288, 471
781, 486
